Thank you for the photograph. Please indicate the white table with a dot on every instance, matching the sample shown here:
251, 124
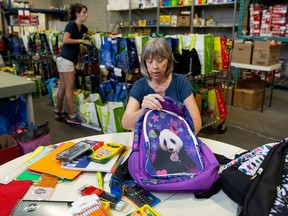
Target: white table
264, 69
171, 203
12, 85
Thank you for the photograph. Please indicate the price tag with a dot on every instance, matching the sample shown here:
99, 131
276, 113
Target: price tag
118, 72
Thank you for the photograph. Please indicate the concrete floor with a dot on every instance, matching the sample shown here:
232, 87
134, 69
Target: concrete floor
246, 129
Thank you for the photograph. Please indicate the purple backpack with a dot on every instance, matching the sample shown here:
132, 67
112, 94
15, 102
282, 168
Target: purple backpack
166, 153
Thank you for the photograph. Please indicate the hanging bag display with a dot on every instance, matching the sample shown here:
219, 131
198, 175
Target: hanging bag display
127, 57
88, 111
222, 109
110, 116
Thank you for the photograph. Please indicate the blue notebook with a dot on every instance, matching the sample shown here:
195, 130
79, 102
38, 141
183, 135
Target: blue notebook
83, 163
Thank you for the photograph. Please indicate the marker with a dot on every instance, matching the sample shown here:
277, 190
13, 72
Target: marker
100, 180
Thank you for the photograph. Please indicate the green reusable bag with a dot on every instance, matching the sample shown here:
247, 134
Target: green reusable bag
88, 111
208, 53
110, 116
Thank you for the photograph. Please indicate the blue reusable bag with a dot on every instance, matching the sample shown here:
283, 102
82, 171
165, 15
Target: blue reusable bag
107, 56
127, 57
50, 84
13, 115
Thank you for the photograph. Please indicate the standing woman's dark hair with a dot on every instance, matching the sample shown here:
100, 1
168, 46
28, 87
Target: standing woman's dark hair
74, 9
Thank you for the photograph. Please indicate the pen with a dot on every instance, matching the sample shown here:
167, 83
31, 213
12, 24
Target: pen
100, 180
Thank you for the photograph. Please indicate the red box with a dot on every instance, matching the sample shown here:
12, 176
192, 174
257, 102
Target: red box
24, 19
8, 148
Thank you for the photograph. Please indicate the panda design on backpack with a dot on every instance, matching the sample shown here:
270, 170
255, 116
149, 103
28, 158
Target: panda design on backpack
174, 150
166, 153
171, 155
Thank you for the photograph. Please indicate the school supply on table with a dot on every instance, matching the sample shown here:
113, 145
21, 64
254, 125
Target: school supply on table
257, 180
29, 175
115, 203
121, 158
100, 180
106, 152
145, 210
11, 193
166, 153
138, 196
73, 152
33, 157
118, 178
43, 208
44, 188
84, 163
50, 165
88, 205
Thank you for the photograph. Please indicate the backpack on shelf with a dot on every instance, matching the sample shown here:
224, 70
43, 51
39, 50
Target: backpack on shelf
258, 180
167, 155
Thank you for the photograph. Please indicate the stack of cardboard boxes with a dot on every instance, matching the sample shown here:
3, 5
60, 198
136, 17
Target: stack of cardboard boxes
248, 94
262, 53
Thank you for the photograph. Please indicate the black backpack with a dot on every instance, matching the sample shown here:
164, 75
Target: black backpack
264, 193
187, 62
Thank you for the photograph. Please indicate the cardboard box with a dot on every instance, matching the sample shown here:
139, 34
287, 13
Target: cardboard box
229, 96
183, 20
264, 55
242, 52
164, 20
248, 94
8, 149
248, 98
174, 19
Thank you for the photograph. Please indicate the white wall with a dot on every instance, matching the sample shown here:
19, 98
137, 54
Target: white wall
98, 17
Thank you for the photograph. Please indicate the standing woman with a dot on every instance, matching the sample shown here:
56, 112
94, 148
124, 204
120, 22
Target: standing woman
67, 60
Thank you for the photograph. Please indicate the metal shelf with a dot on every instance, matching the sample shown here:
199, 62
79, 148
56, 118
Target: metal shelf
233, 5
221, 25
242, 12
231, 25
215, 4
37, 10
172, 7
282, 39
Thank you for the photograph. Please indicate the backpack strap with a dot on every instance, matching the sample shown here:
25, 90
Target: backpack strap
173, 106
216, 187
222, 159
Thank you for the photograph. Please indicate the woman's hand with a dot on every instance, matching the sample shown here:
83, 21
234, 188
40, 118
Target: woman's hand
87, 42
151, 101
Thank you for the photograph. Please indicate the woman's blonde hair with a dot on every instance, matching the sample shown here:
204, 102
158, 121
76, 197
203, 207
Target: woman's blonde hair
157, 47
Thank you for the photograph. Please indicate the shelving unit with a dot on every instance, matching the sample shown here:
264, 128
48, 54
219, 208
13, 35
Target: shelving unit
225, 23
138, 14
7, 10
243, 10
